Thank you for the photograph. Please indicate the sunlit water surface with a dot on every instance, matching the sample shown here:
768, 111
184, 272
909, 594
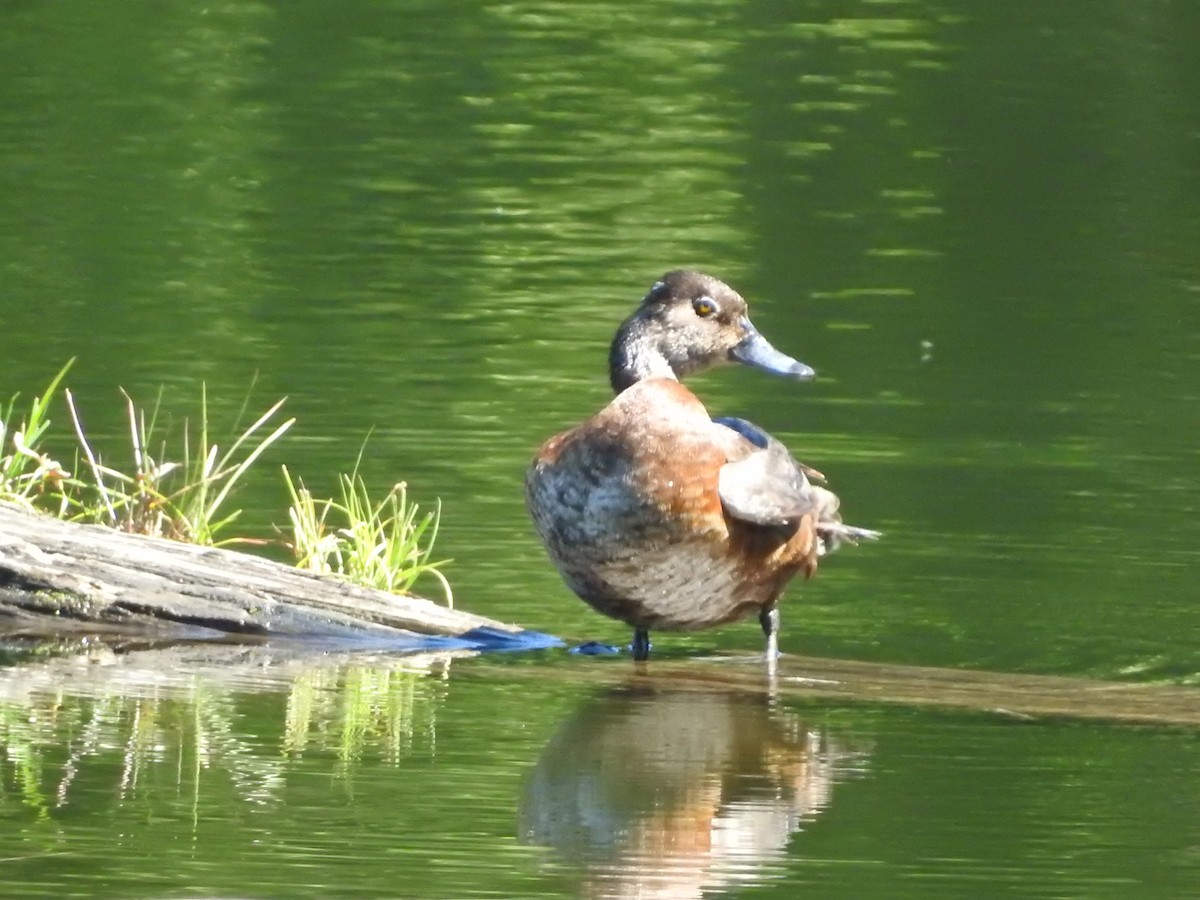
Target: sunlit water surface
422, 223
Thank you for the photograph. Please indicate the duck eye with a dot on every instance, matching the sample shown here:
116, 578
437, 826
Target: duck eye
704, 307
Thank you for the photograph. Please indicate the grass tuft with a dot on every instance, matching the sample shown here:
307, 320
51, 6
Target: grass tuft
386, 544
27, 473
185, 494
182, 500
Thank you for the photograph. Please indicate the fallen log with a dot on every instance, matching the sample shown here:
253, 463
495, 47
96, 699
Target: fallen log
61, 578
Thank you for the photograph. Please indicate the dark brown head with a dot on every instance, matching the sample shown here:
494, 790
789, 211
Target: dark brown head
687, 323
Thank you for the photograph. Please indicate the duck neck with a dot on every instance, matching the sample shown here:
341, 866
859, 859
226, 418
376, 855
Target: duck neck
636, 356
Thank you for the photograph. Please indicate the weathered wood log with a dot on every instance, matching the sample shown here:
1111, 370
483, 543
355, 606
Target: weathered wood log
58, 577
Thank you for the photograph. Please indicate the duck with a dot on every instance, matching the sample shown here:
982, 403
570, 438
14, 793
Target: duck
662, 517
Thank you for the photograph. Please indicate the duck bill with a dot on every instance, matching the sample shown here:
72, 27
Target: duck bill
755, 350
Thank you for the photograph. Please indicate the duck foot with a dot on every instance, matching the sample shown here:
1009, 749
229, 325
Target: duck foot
641, 644
595, 648
769, 620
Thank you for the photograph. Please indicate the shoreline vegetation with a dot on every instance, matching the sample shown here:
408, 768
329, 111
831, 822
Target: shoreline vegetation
180, 487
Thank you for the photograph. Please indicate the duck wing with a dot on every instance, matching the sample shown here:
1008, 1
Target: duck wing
765, 485
762, 484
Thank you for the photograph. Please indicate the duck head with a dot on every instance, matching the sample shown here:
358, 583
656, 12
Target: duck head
687, 323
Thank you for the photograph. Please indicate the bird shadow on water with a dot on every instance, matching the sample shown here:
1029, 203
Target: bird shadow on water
658, 790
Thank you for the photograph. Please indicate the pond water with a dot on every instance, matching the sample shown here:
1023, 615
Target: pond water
421, 223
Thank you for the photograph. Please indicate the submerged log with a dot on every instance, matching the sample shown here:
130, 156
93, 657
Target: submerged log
59, 578
139, 667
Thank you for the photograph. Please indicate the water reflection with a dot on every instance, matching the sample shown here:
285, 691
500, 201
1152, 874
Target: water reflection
672, 793
174, 719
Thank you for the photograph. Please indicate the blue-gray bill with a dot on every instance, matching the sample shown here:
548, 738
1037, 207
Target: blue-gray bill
755, 350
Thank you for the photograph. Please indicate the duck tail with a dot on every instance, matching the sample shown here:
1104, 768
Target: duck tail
831, 530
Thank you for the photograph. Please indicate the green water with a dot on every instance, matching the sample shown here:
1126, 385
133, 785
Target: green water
978, 222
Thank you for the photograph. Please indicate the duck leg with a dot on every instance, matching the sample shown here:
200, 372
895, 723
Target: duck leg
641, 644
768, 618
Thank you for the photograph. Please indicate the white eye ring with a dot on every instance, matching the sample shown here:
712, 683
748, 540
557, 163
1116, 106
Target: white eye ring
704, 306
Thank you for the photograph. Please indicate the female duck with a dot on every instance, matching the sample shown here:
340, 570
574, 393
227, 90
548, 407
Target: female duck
658, 515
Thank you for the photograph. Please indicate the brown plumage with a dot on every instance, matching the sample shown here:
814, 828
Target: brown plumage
659, 516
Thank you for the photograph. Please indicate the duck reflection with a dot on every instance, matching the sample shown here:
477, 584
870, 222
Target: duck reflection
671, 793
